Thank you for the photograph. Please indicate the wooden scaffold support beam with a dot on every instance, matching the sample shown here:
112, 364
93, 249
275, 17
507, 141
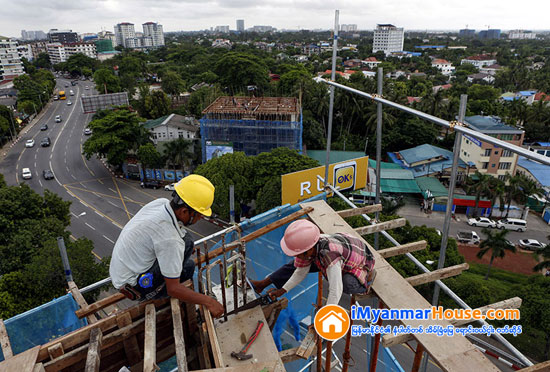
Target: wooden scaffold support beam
131, 347
81, 301
540, 367
94, 351
179, 341
403, 248
362, 210
388, 225
432, 276
5, 341
150, 342
98, 305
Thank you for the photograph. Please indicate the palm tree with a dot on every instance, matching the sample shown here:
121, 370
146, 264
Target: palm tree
496, 191
496, 243
528, 188
178, 152
545, 253
479, 184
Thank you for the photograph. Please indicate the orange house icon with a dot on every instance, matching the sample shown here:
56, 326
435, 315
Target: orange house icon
332, 320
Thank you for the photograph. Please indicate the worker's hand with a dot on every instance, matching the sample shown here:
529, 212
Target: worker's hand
215, 308
275, 293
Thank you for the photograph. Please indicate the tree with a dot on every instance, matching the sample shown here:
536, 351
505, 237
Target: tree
114, 135
178, 152
478, 184
149, 156
106, 81
497, 244
157, 104
239, 70
172, 83
76, 63
496, 190
545, 253
528, 188
43, 61
512, 190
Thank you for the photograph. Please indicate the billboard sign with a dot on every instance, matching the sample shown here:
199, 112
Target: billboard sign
217, 149
302, 185
92, 104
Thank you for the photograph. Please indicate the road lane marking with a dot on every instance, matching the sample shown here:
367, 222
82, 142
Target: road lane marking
74, 215
108, 239
122, 199
99, 214
90, 226
35, 164
73, 177
96, 255
112, 190
84, 160
103, 195
100, 181
40, 182
110, 202
68, 170
89, 206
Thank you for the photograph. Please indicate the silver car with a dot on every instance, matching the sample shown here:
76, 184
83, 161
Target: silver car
531, 244
481, 222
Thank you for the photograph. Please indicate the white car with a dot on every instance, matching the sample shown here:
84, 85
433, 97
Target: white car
69, 103
169, 187
87, 131
29, 143
58, 118
481, 222
86, 87
531, 244
26, 174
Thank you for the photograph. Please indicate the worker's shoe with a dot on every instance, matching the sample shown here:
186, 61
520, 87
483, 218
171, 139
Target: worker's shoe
370, 280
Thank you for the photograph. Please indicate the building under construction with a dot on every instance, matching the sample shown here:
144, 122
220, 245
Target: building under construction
251, 125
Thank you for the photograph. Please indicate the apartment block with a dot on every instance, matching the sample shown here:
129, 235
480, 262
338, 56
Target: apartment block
388, 39
123, 32
62, 36
240, 25
10, 62
154, 32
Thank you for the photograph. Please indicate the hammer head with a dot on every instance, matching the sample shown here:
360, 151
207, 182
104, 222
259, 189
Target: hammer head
240, 355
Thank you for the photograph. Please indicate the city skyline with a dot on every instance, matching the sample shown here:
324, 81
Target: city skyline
96, 15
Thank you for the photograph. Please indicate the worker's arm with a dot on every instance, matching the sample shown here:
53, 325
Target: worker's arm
296, 278
335, 285
181, 292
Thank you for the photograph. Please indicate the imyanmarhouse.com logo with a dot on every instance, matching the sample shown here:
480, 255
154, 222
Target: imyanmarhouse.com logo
332, 322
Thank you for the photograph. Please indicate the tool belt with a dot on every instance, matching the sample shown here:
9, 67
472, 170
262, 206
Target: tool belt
130, 292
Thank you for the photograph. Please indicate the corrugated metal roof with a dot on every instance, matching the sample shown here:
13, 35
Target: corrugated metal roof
399, 186
422, 153
384, 165
335, 156
540, 171
489, 123
432, 184
396, 174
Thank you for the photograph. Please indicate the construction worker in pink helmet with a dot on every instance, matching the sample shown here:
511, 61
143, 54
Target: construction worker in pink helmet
345, 261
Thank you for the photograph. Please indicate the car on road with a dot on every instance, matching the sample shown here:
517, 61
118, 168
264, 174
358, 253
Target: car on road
531, 244
58, 118
481, 222
69, 103
512, 224
29, 143
44, 127
66, 85
45, 142
150, 184
87, 87
47, 174
87, 131
26, 174
170, 187
56, 97
468, 237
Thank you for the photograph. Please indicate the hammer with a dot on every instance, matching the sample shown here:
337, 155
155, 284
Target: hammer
241, 355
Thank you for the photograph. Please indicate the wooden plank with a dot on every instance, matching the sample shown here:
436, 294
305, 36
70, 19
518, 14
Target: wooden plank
81, 335
446, 272
150, 342
179, 340
98, 305
511, 303
307, 347
81, 301
388, 225
94, 351
402, 249
540, 367
5, 341
22, 362
39, 367
362, 210
216, 351
396, 293
56, 350
256, 234
131, 347
289, 355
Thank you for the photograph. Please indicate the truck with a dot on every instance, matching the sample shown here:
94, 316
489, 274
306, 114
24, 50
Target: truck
468, 237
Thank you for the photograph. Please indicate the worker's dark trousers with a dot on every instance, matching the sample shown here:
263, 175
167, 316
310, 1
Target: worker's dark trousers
158, 289
349, 282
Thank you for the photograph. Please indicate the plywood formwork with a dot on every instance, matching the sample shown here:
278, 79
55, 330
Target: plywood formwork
453, 354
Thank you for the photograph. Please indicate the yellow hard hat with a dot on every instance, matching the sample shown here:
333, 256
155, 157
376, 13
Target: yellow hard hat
197, 192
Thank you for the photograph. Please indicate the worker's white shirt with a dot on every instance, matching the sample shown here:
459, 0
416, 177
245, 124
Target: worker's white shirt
153, 233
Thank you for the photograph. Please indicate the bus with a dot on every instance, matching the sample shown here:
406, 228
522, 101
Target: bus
62, 94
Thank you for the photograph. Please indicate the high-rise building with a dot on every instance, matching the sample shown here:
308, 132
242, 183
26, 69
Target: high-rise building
123, 32
388, 39
259, 28
10, 62
489, 34
103, 45
521, 35
154, 32
348, 28
25, 51
222, 29
240, 25
62, 36
467, 33
56, 52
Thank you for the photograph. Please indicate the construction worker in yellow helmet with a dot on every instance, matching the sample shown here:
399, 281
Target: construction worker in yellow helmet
152, 256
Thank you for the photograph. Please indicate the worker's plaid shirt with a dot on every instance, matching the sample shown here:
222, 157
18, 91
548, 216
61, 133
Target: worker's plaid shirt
355, 256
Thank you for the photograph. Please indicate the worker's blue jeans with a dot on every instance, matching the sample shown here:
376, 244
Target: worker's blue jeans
350, 283
158, 288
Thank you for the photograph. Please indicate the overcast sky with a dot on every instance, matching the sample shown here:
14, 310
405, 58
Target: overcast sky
175, 15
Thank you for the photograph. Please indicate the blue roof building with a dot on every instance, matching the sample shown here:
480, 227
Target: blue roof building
426, 160
535, 171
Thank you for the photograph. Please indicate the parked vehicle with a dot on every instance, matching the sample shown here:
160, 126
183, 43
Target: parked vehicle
71, 92
45, 142
47, 174
468, 237
58, 118
69, 103
531, 244
512, 224
29, 143
44, 127
481, 222
87, 131
26, 174
150, 184
169, 187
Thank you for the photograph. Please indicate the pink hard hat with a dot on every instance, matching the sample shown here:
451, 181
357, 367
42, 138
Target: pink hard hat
299, 237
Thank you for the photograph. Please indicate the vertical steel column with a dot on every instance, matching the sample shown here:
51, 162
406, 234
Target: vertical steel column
452, 183
376, 345
328, 356
64, 259
232, 204
378, 150
347, 355
331, 104
319, 339
417, 357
